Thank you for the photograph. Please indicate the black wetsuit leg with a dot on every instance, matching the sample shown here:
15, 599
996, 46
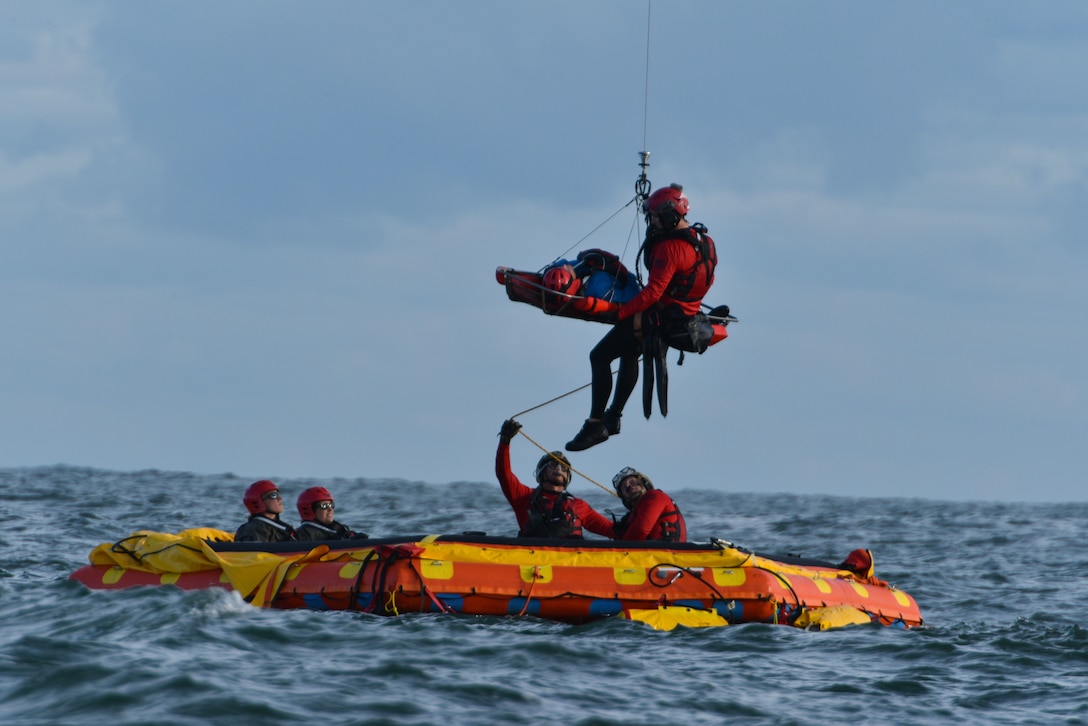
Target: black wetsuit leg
619, 342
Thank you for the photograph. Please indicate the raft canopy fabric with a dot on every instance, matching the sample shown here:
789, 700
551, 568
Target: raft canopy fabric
160, 552
256, 575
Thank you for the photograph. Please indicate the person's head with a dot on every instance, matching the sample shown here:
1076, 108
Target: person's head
315, 505
631, 484
666, 208
263, 497
562, 279
553, 472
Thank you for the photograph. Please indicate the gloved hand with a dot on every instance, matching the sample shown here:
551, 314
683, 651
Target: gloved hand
510, 428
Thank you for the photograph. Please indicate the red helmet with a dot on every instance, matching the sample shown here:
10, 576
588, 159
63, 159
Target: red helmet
254, 496
561, 278
669, 203
308, 499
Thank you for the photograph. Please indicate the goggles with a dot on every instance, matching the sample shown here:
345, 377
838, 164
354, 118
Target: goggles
273, 496
624, 473
324, 505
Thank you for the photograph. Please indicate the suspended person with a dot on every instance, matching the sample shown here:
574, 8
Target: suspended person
595, 273
681, 259
549, 510
651, 513
316, 508
265, 505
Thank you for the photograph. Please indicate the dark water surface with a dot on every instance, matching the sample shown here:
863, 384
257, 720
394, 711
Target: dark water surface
1002, 588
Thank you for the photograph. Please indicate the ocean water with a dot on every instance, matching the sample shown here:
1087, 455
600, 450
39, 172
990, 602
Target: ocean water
1002, 588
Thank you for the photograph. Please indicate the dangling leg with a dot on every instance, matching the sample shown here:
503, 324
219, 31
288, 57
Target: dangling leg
661, 369
648, 375
612, 346
626, 380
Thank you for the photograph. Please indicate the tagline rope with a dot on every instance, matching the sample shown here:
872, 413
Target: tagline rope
572, 469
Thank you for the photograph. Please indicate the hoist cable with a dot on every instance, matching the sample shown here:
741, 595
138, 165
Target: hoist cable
646, 90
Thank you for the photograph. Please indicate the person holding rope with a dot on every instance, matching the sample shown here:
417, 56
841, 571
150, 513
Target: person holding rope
549, 510
681, 259
651, 513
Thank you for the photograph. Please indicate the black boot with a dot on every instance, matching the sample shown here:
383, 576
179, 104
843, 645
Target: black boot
612, 422
592, 433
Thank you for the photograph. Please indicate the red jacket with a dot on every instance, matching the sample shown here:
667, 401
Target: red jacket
519, 497
670, 257
655, 517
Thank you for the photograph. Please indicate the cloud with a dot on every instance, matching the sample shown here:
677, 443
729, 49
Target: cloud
262, 238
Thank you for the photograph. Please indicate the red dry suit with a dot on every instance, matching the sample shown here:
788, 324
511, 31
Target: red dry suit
655, 517
681, 266
568, 515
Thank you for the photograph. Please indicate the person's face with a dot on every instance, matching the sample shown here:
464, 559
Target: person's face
556, 476
273, 503
323, 511
632, 489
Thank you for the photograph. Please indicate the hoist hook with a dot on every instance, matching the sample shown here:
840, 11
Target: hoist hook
642, 185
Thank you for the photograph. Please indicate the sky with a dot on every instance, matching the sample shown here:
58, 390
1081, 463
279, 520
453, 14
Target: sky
260, 237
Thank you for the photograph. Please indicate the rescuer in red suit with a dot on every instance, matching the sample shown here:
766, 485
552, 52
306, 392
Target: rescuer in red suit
548, 510
681, 259
651, 513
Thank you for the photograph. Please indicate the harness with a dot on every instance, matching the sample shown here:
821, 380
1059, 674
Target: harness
555, 518
698, 276
336, 531
668, 528
323, 528
285, 530
671, 525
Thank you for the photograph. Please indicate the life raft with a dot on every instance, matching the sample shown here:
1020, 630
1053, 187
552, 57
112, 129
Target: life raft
572, 581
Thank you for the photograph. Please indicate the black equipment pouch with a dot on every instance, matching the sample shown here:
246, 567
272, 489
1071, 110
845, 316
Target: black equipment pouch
690, 334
